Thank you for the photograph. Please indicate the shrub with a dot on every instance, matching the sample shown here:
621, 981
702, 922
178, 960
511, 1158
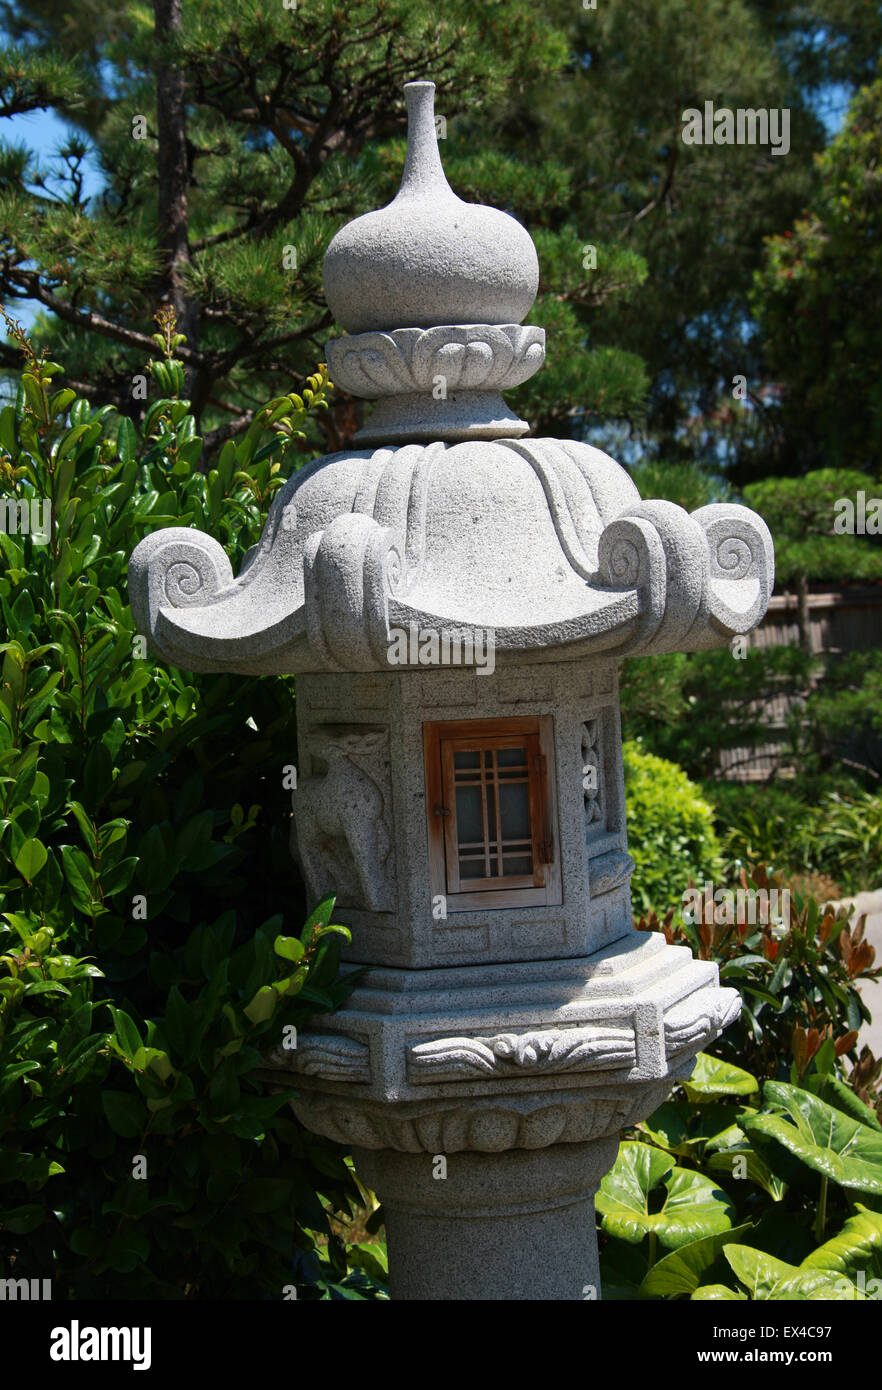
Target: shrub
837, 835
799, 972
141, 1158
758, 824
761, 1176
844, 838
690, 707
145, 959
670, 829
733, 1190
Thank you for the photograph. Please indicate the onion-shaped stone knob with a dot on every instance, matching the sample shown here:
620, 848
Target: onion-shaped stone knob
428, 258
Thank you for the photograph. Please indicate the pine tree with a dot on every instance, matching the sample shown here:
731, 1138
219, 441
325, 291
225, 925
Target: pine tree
234, 141
696, 215
818, 297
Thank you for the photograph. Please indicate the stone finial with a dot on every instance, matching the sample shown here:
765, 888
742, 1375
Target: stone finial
433, 291
428, 258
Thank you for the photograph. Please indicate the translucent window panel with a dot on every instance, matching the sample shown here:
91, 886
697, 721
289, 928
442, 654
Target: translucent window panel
473, 862
514, 811
517, 864
467, 760
473, 866
469, 821
512, 757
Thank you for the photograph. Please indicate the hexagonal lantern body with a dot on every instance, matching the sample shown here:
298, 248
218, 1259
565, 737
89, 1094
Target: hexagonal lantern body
456, 603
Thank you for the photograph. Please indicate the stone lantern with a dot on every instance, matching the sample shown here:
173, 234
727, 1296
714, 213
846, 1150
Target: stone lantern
455, 600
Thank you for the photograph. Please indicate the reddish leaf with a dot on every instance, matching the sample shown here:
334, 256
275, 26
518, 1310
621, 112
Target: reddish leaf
846, 1042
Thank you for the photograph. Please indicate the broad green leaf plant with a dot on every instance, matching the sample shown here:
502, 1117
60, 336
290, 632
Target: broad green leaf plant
736, 1191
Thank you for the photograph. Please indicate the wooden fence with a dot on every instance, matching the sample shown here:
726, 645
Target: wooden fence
847, 620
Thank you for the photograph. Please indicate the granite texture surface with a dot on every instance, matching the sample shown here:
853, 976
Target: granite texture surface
484, 1065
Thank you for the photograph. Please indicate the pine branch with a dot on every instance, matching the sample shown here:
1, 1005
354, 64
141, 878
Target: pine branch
33, 81
87, 389
219, 364
666, 185
96, 323
225, 406
296, 334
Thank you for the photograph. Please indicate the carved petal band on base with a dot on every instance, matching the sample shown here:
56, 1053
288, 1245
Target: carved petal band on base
482, 1125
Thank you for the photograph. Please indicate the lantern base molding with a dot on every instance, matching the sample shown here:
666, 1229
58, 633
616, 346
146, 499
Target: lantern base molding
426, 1060
483, 1104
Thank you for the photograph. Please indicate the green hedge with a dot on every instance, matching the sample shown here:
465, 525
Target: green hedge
671, 832
150, 941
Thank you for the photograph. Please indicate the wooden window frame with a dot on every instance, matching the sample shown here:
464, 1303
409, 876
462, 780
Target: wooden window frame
443, 738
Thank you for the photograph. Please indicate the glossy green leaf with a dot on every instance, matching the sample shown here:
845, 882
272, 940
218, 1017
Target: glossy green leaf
811, 1133
30, 859
126, 440
69, 441
843, 1098
319, 917
715, 1080
36, 396
718, 1293
680, 1272
23, 1219
86, 827
262, 1006
79, 875
60, 401
744, 1164
668, 1128
766, 1277
127, 1034
692, 1206
126, 1113
858, 1246
289, 948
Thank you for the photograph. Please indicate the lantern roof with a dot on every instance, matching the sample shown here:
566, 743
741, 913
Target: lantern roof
453, 520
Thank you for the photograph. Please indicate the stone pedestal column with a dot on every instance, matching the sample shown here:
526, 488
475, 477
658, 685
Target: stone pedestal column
503, 1226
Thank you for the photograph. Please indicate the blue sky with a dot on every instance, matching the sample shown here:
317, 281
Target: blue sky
43, 132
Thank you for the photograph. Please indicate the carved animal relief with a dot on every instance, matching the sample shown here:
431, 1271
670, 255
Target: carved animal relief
342, 828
